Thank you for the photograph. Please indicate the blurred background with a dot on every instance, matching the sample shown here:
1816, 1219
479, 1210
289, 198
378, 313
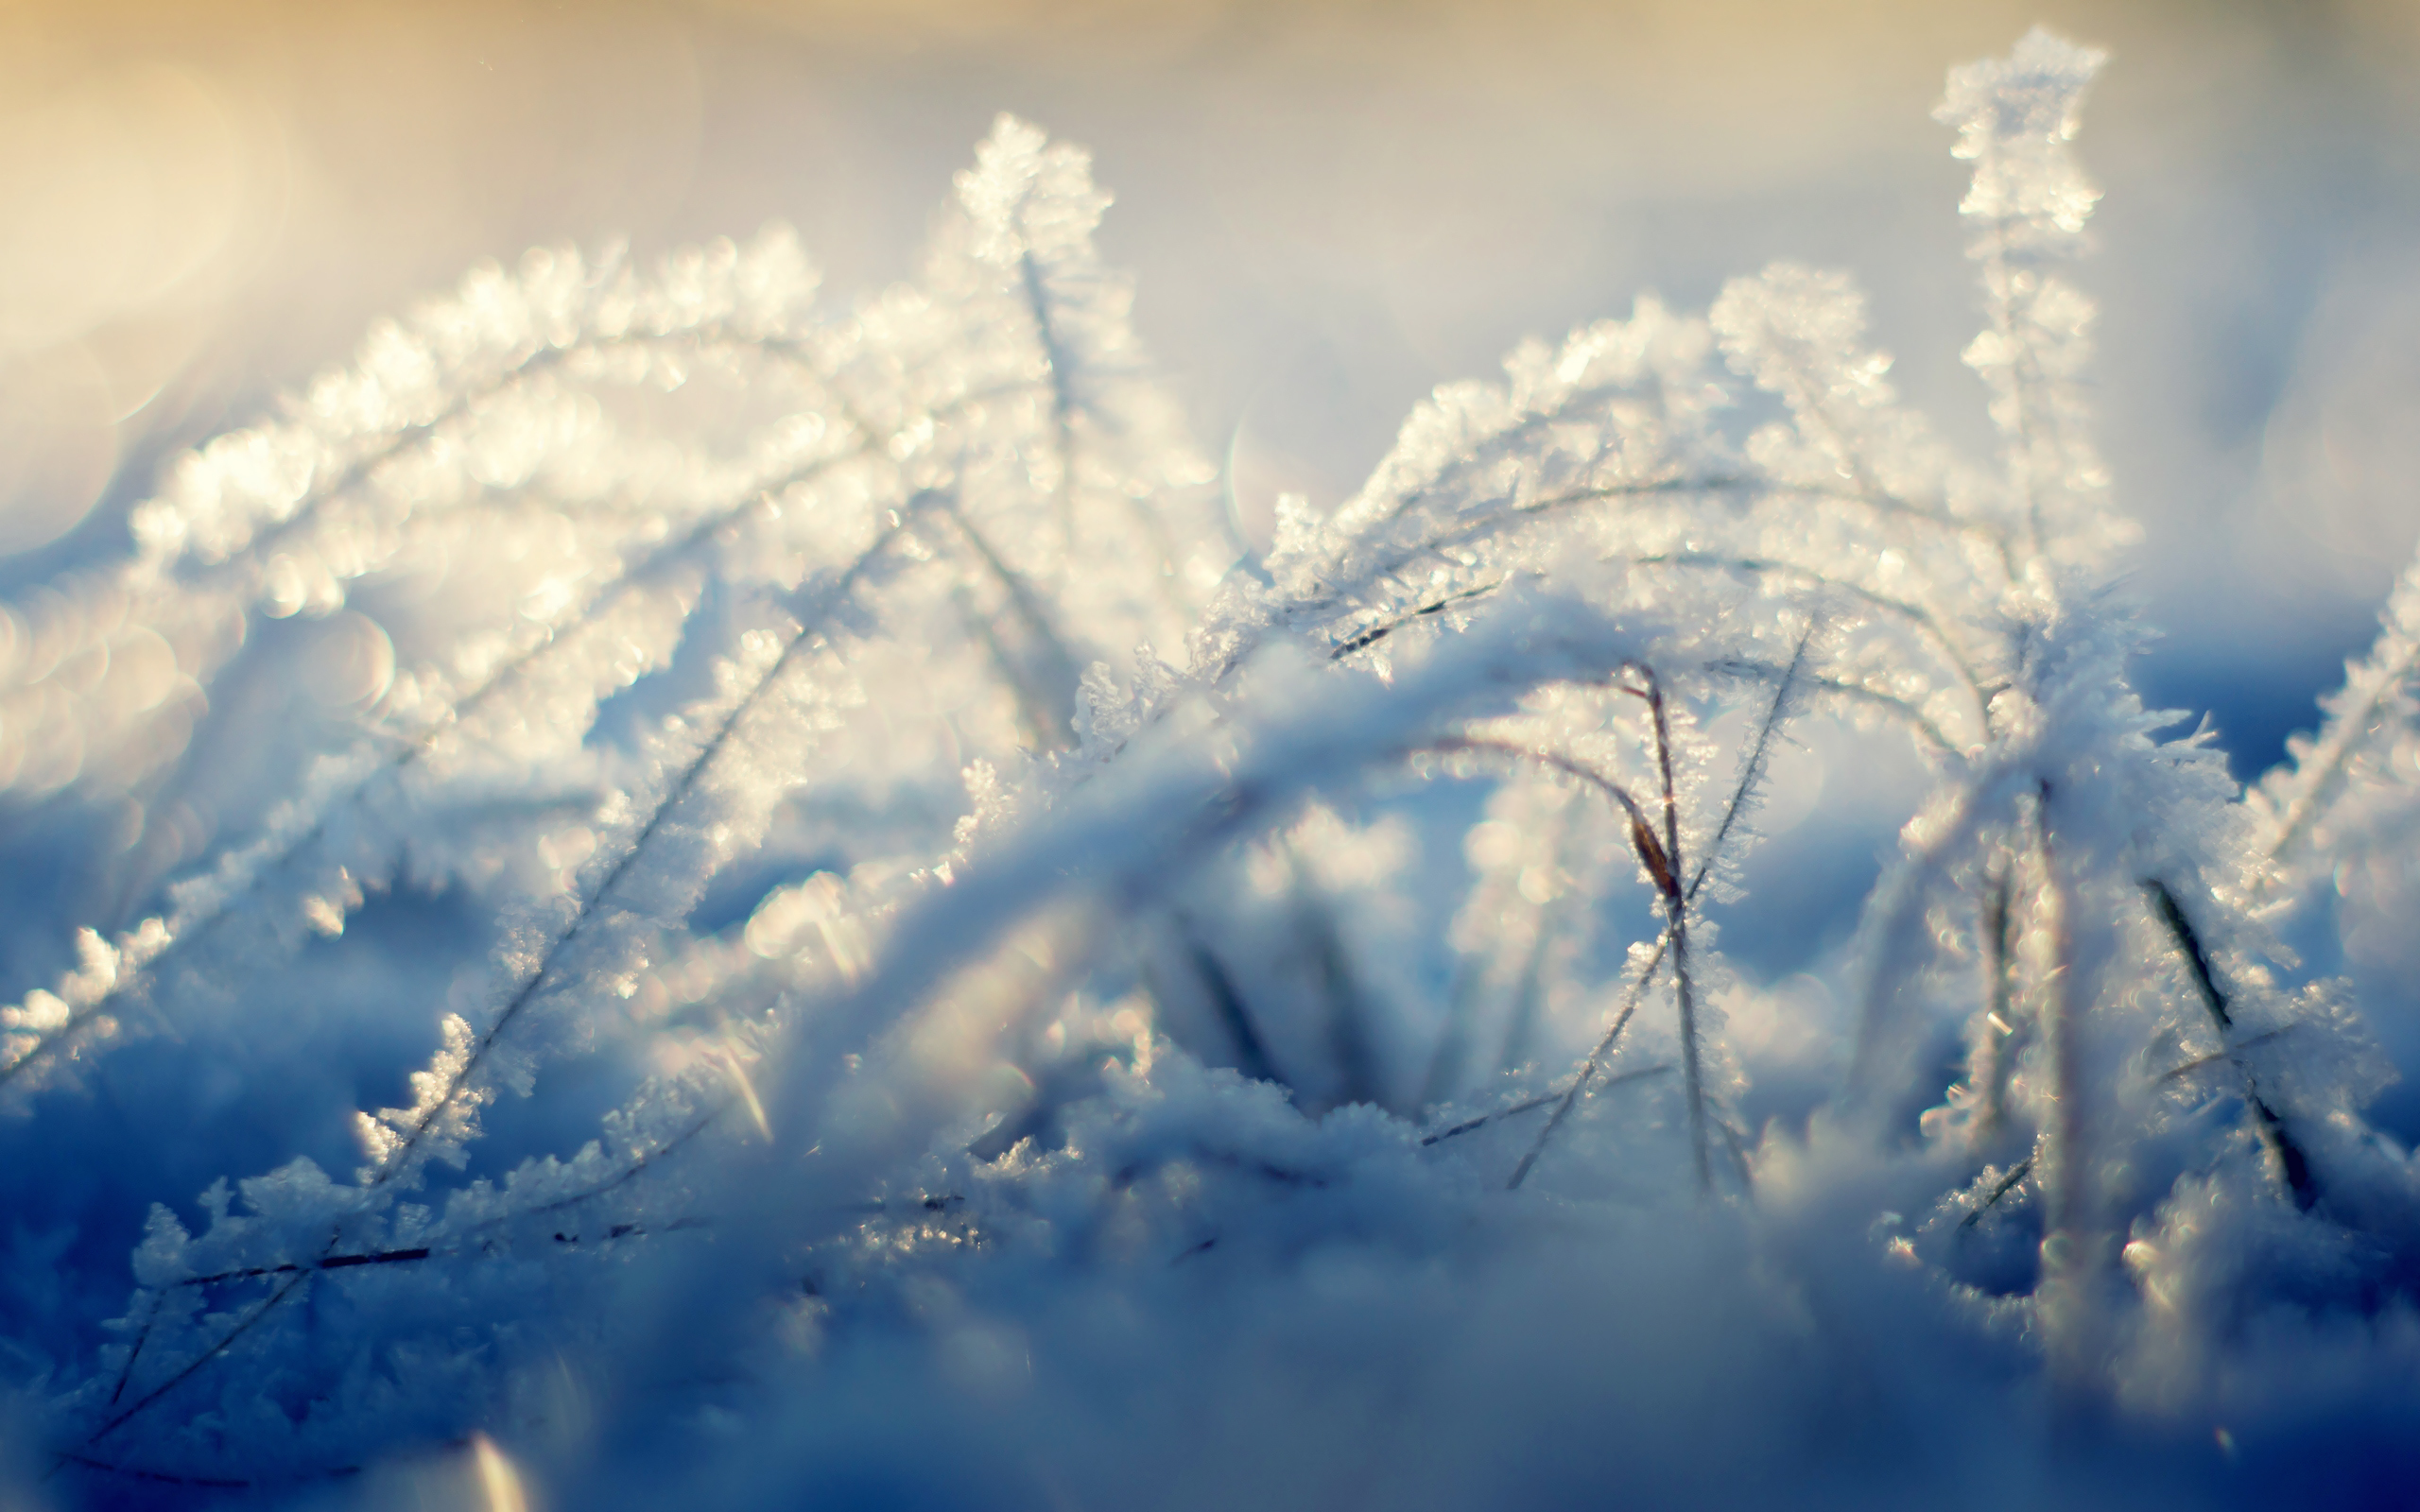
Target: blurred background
1331, 207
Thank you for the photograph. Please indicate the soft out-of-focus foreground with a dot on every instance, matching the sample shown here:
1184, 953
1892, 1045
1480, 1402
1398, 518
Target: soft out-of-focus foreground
1393, 824
1330, 207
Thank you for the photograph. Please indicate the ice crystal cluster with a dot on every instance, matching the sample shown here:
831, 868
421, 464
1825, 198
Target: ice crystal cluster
945, 978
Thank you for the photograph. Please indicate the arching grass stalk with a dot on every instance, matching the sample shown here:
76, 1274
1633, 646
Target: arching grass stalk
400, 1159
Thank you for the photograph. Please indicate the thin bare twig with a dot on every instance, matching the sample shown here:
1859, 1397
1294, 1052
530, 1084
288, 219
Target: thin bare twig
2291, 1163
2001, 1188
1588, 1067
1751, 766
399, 1159
1751, 772
1676, 915
1897, 707
1928, 623
2000, 984
608, 594
1480, 745
1373, 634
1531, 1104
809, 631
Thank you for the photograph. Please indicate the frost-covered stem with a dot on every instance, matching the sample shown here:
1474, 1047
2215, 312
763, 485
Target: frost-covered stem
1856, 692
1751, 766
1531, 1104
1348, 580
1554, 503
413, 1254
464, 401
1655, 856
611, 592
398, 1161
225, 1342
2061, 1029
1865, 487
1926, 622
67, 1034
809, 631
1659, 858
1363, 639
1676, 914
295, 1276
1899, 709
1998, 1048
1588, 1067
1894, 927
1062, 400
638, 1165
1051, 713
1480, 745
2007, 1182
2030, 203
1751, 774
125, 1371
608, 594
2293, 1167
358, 471
2344, 735
1502, 443
1998, 284
2071, 1260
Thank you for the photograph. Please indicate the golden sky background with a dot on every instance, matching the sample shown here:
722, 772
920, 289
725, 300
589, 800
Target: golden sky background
1331, 207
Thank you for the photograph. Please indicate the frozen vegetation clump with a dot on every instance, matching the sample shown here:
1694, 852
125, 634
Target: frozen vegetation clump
941, 977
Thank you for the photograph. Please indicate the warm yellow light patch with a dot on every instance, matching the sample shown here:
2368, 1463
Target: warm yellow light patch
499, 1483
